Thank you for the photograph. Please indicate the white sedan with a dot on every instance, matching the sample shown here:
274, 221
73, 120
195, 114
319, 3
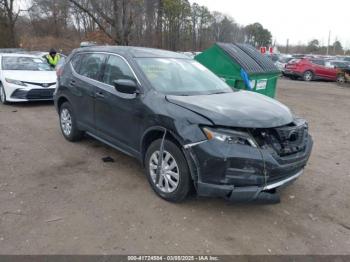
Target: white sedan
25, 77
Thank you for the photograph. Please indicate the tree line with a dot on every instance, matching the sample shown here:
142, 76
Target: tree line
168, 24
315, 47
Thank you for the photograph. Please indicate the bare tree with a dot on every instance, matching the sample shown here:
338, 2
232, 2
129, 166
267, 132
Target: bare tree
170, 24
8, 18
114, 18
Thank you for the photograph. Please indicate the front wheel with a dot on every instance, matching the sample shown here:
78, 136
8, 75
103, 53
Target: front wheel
308, 76
173, 180
2, 95
68, 123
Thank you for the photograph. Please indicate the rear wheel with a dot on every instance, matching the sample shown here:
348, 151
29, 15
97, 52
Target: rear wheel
341, 79
68, 123
2, 95
308, 76
173, 182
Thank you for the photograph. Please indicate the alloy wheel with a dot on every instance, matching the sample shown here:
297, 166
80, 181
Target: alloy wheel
169, 174
66, 121
308, 76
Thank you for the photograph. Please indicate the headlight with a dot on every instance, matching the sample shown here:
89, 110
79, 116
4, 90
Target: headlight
229, 136
15, 82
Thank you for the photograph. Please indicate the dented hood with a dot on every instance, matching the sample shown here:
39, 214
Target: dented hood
237, 109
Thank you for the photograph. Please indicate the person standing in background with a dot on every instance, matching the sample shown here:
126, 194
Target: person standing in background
53, 58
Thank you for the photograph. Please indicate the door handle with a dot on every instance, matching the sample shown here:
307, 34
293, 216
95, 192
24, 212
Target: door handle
100, 95
72, 83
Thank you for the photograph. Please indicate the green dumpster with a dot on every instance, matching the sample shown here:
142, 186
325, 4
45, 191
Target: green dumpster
228, 60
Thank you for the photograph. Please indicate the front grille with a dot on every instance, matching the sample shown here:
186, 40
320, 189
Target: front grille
40, 84
34, 94
285, 140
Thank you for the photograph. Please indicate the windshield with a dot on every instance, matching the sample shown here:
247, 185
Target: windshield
25, 63
181, 77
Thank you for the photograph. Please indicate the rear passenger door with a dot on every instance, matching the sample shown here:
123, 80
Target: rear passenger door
317, 68
118, 115
88, 72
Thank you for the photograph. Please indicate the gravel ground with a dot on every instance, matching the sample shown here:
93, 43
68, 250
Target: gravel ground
58, 197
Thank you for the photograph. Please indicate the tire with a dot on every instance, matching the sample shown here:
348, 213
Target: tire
68, 123
179, 185
341, 79
308, 76
2, 95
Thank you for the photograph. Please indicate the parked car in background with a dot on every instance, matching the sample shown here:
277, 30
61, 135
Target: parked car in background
298, 56
310, 69
189, 54
25, 77
338, 64
343, 69
273, 57
282, 61
345, 58
182, 122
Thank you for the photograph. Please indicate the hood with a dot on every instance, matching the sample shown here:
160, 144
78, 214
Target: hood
43, 77
237, 109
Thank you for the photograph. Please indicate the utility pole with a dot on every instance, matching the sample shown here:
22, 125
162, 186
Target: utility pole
329, 40
287, 46
336, 40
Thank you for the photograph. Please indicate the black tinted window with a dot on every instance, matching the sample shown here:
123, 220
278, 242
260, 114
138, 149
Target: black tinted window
115, 69
91, 65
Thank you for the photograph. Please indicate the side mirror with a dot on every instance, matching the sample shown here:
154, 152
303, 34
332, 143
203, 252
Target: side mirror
125, 86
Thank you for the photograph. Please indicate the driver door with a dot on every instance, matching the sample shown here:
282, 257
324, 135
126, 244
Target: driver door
118, 115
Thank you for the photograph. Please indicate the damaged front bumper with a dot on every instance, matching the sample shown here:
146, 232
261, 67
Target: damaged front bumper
242, 173
261, 194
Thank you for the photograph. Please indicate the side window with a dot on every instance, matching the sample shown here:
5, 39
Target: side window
75, 61
91, 65
318, 62
321, 62
115, 69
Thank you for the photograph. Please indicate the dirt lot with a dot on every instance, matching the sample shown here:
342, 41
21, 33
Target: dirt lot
58, 197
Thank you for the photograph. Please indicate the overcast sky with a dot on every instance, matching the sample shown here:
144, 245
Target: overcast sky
298, 20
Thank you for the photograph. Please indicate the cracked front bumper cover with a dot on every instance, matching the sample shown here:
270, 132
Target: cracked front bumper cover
263, 194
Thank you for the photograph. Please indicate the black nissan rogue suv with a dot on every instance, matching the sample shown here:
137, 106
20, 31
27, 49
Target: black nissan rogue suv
186, 126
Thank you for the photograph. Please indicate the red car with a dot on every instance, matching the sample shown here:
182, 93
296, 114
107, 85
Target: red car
310, 69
